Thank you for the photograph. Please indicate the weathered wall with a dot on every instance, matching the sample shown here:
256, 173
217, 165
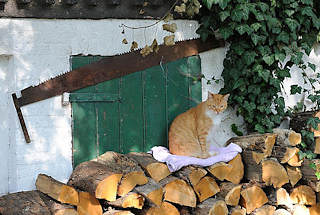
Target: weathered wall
32, 51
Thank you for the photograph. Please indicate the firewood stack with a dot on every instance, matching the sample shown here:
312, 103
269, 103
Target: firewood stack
267, 178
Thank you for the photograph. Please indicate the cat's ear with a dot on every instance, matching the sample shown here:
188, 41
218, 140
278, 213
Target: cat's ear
210, 95
225, 97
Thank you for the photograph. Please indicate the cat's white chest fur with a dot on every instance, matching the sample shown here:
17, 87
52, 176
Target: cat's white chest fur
215, 136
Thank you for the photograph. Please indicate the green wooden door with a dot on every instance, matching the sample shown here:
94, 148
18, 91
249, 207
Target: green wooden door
132, 113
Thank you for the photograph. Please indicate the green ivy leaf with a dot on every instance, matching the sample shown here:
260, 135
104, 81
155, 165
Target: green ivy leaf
279, 56
226, 32
249, 57
283, 37
235, 130
208, 3
255, 39
268, 59
312, 66
313, 121
263, 6
307, 2
222, 3
292, 24
317, 175
313, 166
295, 89
237, 15
244, 29
259, 128
283, 73
264, 74
224, 15
289, 12
255, 26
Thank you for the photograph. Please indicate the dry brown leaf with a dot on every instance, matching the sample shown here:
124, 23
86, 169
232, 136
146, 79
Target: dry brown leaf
181, 8
134, 45
124, 41
146, 51
170, 27
168, 18
169, 40
155, 46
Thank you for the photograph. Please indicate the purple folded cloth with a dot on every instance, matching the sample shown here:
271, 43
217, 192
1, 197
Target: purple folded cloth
176, 162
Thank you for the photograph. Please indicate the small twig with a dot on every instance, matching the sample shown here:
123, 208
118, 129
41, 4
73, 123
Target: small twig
148, 26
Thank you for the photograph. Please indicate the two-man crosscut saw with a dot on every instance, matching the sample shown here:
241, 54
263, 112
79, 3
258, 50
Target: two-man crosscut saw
107, 68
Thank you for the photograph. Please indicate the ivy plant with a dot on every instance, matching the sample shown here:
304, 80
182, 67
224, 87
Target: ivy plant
266, 37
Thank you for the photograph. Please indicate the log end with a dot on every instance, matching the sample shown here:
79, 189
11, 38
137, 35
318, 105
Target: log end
130, 180
253, 197
219, 208
274, 173
206, 188
158, 171
178, 191
233, 196
88, 204
107, 188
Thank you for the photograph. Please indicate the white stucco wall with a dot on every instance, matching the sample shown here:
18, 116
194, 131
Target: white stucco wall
34, 50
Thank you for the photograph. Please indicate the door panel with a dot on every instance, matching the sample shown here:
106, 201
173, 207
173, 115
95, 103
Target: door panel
132, 113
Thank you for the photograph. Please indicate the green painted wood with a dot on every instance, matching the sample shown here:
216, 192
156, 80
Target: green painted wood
156, 126
84, 124
131, 114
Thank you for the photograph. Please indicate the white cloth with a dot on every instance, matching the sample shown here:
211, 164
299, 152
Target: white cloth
176, 162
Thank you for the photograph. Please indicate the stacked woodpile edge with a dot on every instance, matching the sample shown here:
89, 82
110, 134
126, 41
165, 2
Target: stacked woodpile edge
267, 178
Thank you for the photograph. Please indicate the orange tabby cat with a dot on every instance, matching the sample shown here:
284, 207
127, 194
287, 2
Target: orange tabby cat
193, 132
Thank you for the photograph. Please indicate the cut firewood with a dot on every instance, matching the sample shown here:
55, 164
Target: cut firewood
98, 179
178, 191
191, 174
309, 173
256, 142
57, 208
230, 193
282, 212
233, 171
315, 209
295, 160
287, 137
283, 197
265, 210
219, 170
317, 146
257, 156
273, 173
303, 194
112, 211
165, 209
300, 209
154, 169
133, 174
57, 190
130, 200
130, 180
203, 208
32, 202
219, 208
236, 170
238, 211
290, 152
88, 204
152, 191
294, 174
206, 188
253, 197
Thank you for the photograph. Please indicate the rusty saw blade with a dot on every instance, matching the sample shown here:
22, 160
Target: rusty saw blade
109, 68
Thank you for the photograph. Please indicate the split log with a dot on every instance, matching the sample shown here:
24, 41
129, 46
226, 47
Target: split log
154, 169
294, 174
130, 200
290, 152
233, 171
317, 146
178, 191
206, 188
219, 208
165, 209
57, 190
283, 197
303, 194
32, 202
112, 211
265, 210
133, 174
295, 160
300, 209
98, 179
309, 174
315, 209
282, 212
57, 208
230, 193
253, 197
273, 173
191, 174
88, 204
152, 191
287, 137
238, 211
